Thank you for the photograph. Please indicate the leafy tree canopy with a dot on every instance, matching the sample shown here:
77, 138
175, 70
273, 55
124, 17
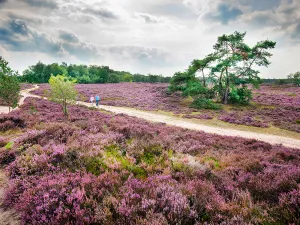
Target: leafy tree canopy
40, 73
63, 91
232, 64
9, 85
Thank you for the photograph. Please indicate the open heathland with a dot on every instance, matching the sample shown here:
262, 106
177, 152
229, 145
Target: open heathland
271, 105
100, 168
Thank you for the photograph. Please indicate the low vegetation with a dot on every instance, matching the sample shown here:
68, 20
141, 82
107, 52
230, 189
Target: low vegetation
271, 105
99, 168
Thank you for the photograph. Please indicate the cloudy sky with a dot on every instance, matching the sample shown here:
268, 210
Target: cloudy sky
144, 36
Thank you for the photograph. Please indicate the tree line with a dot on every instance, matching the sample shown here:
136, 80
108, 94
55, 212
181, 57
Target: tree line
223, 75
41, 73
292, 79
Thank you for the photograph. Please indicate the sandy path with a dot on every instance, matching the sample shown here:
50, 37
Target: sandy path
24, 94
185, 123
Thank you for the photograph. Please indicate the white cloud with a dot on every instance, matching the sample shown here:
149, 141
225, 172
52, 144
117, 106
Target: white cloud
151, 36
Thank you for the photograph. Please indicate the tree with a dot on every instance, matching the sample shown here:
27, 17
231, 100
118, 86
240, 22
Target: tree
63, 91
234, 60
295, 78
191, 86
9, 85
113, 78
127, 77
201, 65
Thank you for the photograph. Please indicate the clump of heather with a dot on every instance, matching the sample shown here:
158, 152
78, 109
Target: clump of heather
100, 168
242, 120
8, 122
289, 205
25, 86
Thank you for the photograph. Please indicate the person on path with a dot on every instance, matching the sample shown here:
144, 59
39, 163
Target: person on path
92, 99
97, 100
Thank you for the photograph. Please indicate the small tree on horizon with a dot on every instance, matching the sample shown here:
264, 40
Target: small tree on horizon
9, 85
295, 78
63, 91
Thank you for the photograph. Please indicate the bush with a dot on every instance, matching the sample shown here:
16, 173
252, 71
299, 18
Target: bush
202, 103
241, 96
289, 204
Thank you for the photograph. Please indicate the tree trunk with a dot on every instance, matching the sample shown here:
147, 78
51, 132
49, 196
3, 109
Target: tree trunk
204, 83
226, 93
65, 108
220, 87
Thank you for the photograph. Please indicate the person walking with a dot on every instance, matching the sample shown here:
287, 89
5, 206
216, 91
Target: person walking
92, 99
97, 100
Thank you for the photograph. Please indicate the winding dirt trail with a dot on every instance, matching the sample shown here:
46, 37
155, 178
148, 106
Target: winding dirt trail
184, 123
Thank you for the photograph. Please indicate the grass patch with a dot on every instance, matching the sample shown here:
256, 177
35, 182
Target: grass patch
212, 161
9, 145
114, 152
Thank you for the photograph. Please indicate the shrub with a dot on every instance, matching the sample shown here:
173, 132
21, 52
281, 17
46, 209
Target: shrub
8, 122
66, 198
241, 96
289, 205
202, 103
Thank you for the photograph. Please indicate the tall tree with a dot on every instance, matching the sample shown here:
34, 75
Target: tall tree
9, 85
63, 91
236, 60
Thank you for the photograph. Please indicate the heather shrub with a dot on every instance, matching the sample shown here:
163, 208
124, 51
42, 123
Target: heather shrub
34, 161
271, 182
289, 205
3, 141
159, 194
207, 201
6, 156
8, 122
67, 198
116, 169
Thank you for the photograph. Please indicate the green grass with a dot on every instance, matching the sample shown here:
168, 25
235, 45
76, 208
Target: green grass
213, 160
9, 145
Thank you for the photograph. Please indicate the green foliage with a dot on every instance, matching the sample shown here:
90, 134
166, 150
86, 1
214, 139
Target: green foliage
41, 73
230, 65
295, 78
63, 91
127, 77
235, 60
200, 65
9, 85
241, 96
202, 103
9, 145
213, 161
95, 165
113, 78
114, 152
